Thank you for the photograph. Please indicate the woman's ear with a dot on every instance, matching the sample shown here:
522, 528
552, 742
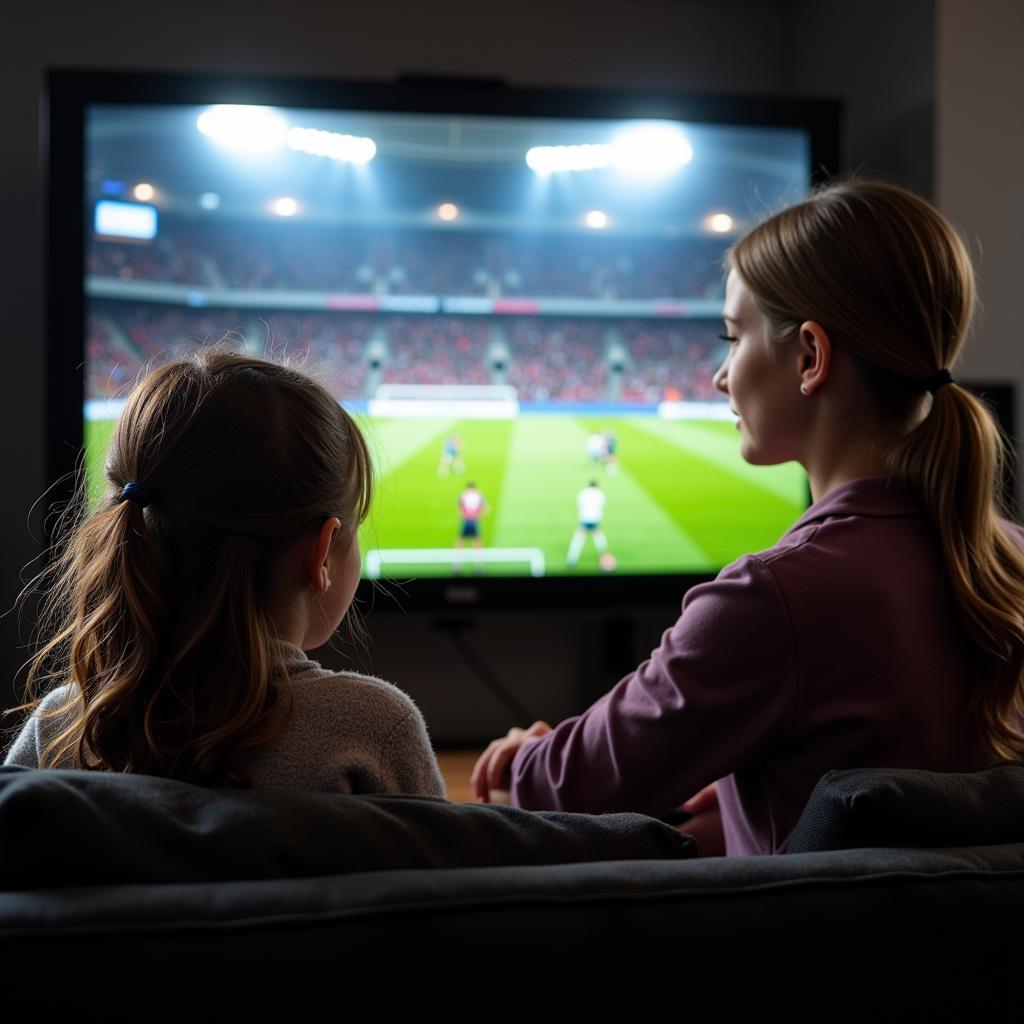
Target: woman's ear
814, 356
317, 567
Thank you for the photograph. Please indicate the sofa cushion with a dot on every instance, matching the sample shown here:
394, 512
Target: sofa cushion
66, 827
912, 808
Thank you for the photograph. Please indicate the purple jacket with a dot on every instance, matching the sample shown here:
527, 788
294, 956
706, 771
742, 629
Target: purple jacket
837, 648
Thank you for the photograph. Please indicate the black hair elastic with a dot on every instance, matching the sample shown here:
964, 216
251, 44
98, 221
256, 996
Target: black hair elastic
938, 380
137, 493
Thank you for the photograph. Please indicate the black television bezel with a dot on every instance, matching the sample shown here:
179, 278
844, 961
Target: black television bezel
68, 94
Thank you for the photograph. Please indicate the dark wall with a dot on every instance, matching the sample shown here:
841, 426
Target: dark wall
878, 57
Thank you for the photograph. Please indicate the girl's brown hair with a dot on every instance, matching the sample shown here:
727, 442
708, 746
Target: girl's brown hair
160, 613
891, 281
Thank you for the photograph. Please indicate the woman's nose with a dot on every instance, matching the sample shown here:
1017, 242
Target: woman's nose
719, 379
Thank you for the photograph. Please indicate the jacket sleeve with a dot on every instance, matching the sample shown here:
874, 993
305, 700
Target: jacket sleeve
719, 691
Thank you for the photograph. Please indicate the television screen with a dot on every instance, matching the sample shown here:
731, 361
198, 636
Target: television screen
523, 313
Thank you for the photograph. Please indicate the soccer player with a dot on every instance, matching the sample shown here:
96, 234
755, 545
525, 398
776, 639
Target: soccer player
471, 507
596, 448
451, 456
590, 508
611, 445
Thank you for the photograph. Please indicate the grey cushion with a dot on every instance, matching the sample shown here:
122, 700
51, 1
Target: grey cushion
65, 827
911, 808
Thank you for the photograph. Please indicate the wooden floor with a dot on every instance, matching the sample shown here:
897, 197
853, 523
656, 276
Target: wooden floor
456, 766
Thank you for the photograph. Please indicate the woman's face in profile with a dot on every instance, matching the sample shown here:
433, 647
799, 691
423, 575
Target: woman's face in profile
760, 376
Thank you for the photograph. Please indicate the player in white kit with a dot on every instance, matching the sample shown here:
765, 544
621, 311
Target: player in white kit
590, 508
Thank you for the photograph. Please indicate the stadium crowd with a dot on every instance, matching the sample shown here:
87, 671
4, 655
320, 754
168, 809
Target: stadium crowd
545, 359
443, 262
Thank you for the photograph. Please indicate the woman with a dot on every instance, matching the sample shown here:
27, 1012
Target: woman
885, 629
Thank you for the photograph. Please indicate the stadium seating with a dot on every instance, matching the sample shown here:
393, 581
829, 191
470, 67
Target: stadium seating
549, 359
417, 262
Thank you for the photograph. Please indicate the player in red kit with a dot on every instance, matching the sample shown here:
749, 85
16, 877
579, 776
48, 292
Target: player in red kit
471, 507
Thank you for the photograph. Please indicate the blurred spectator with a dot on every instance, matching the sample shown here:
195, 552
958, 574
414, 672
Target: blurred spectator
439, 262
549, 359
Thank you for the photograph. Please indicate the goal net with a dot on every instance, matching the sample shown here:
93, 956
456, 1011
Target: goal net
463, 401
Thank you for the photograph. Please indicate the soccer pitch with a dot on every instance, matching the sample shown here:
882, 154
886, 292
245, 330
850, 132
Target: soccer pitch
680, 499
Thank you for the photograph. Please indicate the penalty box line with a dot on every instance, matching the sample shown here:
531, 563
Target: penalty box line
378, 557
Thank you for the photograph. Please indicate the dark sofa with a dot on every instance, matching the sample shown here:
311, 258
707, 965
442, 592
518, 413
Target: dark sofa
257, 899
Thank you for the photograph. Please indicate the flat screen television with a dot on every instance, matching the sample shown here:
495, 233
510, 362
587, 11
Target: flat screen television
516, 291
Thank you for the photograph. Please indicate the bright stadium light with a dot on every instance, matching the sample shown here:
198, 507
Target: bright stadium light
447, 211
209, 200
596, 219
285, 206
644, 149
143, 192
548, 159
652, 149
720, 223
350, 149
244, 129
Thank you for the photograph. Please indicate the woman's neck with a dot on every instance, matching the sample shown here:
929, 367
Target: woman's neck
826, 479
845, 450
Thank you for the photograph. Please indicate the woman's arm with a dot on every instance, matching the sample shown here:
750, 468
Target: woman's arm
718, 692
491, 768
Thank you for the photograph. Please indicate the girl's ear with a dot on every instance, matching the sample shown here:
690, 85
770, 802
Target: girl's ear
814, 355
317, 568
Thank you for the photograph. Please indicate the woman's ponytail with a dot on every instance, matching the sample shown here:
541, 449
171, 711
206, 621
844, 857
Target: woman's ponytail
954, 461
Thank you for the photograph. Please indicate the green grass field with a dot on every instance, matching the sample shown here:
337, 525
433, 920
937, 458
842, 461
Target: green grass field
683, 500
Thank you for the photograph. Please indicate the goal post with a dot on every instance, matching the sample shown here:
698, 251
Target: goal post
463, 401
377, 558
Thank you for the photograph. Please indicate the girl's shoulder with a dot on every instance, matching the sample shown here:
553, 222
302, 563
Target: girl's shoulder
350, 693
52, 703
42, 724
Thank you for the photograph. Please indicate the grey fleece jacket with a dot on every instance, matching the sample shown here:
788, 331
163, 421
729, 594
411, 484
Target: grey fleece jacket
347, 733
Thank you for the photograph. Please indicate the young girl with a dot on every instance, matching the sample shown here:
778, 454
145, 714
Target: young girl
224, 547
886, 628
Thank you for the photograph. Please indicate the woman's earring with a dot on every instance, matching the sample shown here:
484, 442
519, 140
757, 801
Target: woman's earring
803, 389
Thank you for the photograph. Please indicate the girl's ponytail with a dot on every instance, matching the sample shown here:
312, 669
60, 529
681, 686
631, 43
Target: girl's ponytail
118, 599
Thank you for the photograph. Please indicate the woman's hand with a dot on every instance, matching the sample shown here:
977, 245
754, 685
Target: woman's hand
490, 774
705, 825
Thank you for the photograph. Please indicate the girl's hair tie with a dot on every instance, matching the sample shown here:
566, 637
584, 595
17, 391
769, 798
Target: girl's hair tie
137, 493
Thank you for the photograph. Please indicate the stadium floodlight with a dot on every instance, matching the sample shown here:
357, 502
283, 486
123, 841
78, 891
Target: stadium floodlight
720, 223
596, 219
209, 200
243, 128
448, 211
143, 191
350, 149
548, 159
652, 149
648, 149
285, 206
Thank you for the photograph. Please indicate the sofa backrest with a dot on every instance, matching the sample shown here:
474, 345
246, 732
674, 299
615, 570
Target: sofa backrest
67, 827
